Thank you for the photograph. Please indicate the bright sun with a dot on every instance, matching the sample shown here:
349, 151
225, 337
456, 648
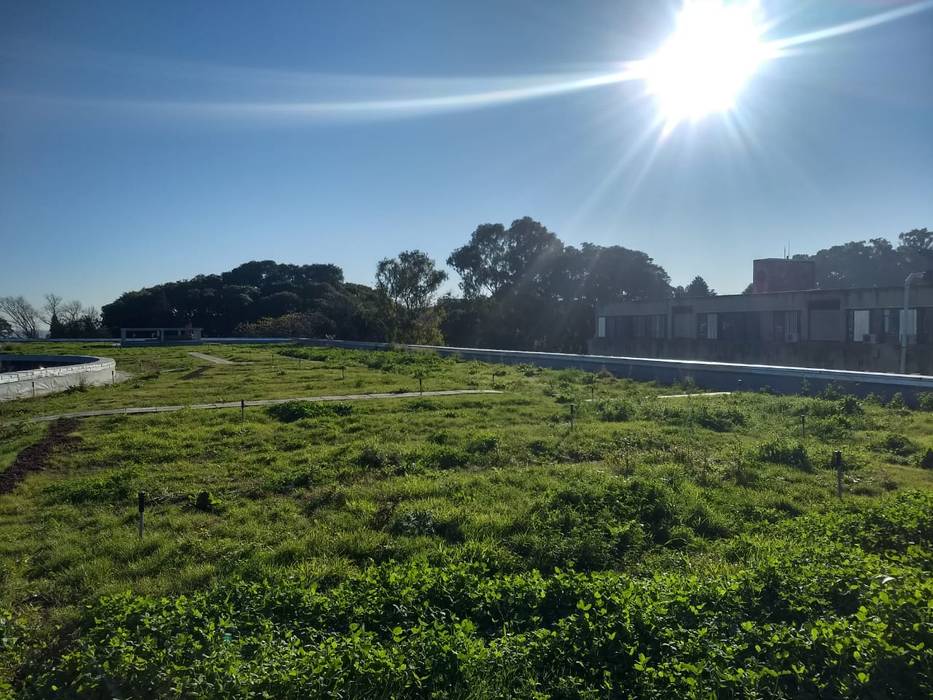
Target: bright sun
714, 50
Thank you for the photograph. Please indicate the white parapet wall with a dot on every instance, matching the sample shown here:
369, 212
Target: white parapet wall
63, 372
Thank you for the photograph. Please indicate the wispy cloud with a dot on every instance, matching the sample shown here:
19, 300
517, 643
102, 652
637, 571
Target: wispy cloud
150, 88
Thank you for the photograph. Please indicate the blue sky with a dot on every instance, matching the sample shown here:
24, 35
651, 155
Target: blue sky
149, 142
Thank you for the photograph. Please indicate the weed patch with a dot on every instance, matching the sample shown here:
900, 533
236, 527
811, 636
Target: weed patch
292, 411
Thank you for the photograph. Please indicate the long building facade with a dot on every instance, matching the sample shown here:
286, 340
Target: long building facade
855, 329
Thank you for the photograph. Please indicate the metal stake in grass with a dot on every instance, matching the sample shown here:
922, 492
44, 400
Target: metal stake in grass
573, 410
142, 507
803, 427
242, 410
837, 463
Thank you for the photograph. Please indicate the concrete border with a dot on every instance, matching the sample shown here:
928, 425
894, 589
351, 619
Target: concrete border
719, 376
69, 371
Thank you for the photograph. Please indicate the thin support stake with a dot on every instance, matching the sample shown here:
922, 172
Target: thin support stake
837, 463
242, 410
142, 508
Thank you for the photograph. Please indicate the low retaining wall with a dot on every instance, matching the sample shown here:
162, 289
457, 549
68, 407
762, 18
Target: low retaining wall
68, 371
720, 376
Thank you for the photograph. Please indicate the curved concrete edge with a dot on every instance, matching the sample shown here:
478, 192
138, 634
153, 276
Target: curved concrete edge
87, 371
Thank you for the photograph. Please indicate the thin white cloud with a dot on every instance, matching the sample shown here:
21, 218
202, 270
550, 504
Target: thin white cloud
506, 91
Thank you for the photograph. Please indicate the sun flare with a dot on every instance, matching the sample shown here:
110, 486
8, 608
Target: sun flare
715, 48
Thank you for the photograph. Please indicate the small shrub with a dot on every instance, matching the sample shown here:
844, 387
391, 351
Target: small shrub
328, 496
376, 456
440, 437
896, 444
833, 427
832, 392
927, 460
597, 525
782, 452
424, 522
442, 457
925, 401
850, 406
742, 474
206, 502
615, 410
897, 402
414, 523
292, 411
294, 477
483, 444
720, 420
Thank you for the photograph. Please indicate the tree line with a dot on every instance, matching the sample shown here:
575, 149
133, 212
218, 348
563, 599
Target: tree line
520, 287
63, 319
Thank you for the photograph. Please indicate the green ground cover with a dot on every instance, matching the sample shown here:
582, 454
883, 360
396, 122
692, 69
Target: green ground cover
462, 546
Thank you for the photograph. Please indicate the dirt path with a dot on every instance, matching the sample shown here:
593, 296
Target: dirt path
36, 457
211, 358
262, 402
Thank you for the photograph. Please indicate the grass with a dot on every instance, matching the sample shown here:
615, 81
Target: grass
298, 499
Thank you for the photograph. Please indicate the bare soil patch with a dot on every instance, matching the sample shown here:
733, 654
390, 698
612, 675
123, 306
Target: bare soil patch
36, 457
194, 374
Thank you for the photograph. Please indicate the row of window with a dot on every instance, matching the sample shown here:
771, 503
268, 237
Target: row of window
862, 325
652, 326
879, 325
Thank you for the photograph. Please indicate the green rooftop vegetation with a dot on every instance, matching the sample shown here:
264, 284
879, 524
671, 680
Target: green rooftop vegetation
471, 546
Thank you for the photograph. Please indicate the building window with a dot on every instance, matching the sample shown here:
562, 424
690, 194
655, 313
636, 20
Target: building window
925, 326
740, 326
785, 326
601, 327
859, 323
708, 326
653, 326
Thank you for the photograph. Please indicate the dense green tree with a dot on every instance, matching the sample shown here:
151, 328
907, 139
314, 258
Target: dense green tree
523, 288
873, 263
250, 292
615, 273
408, 286
698, 288
56, 328
498, 258
292, 325
916, 240
917, 248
